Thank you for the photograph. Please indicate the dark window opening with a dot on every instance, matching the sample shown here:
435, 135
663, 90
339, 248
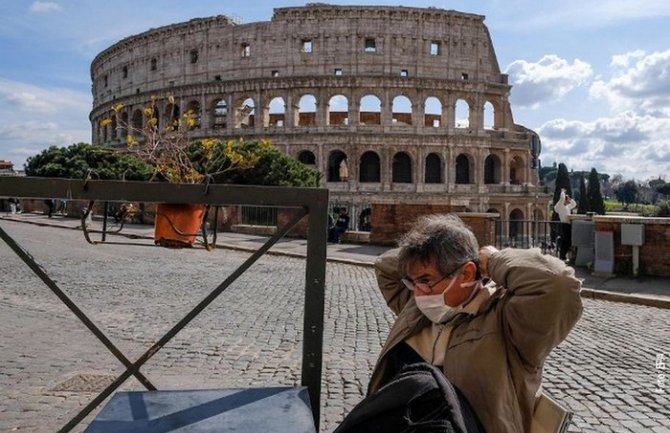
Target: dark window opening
125, 72
370, 45
370, 167
217, 77
154, 64
106, 80
403, 72
433, 169
462, 170
402, 168
245, 50
275, 73
464, 76
194, 56
338, 72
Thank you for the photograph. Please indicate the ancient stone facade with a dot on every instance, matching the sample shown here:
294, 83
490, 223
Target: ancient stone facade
391, 104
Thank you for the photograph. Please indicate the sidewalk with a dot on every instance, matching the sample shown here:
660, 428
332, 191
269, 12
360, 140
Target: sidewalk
649, 291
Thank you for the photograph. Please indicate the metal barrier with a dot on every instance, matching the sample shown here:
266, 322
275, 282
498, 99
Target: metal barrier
258, 215
528, 234
310, 201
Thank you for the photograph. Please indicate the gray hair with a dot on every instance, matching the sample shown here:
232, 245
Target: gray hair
443, 238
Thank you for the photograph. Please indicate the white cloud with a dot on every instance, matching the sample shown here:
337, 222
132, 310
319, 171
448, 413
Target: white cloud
37, 117
637, 146
638, 80
44, 7
547, 80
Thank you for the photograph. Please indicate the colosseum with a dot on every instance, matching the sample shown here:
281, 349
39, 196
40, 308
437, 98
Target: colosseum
392, 104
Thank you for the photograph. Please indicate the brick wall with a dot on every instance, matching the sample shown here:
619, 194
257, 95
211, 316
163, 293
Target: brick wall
654, 254
390, 221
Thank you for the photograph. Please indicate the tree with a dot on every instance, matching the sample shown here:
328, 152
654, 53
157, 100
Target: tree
80, 160
593, 195
562, 182
273, 167
626, 193
583, 203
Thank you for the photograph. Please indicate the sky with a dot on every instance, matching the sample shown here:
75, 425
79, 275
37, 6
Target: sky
591, 77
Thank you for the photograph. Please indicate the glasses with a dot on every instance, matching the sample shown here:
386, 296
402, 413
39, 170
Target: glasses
426, 287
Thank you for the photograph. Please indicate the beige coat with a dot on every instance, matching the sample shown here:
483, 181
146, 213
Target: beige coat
496, 356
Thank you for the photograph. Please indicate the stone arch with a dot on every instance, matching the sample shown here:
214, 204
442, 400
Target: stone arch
307, 157
172, 114
433, 170
193, 106
334, 160
220, 114
307, 110
370, 110
401, 110
113, 127
433, 112
516, 222
401, 170
462, 114
124, 125
492, 169
489, 115
245, 112
464, 169
137, 122
516, 171
276, 112
369, 167
338, 110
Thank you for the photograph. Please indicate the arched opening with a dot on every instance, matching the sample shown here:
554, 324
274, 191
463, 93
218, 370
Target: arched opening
401, 110
172, 116
338, 110
334, 163
220, 114
136, 122
516, 171
433, 169
433, 112
113, 127
245, 114
124, 125
276, 112
193, 108
516, 223
489, 115
307, 157
402, 168
370, 110
462, 114
307, 111
492, 169
463, 169
370, 167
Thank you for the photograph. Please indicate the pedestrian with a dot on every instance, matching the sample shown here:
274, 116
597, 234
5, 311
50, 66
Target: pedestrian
341, 225
563, 208
487, 318
14, 205
62, 206
50, 206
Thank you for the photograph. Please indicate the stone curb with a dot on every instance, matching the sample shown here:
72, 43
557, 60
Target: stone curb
647, 301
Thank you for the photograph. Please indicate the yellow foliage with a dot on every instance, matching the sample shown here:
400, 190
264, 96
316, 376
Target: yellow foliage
117, 107
105, 122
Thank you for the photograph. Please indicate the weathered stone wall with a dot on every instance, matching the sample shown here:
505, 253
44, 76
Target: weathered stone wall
302, 80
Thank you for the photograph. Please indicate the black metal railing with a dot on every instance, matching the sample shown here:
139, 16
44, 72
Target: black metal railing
517, 233
258, 216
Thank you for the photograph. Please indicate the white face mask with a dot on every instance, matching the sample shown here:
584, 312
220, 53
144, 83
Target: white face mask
434, 308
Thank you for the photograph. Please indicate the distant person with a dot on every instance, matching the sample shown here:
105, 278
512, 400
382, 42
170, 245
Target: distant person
341, 225
563, 208
51, 203
14, 206
62, 206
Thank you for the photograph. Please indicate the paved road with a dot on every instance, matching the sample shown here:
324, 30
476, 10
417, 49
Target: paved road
50, 365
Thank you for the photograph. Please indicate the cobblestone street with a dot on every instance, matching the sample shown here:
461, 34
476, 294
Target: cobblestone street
51, 365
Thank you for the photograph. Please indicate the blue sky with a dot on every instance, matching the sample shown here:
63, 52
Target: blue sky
591, 77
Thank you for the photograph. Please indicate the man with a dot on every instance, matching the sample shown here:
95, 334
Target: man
490, 340
563, 208
341, 225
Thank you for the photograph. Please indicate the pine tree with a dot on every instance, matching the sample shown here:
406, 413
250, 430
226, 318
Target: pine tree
562, 182
583, 205
595, 197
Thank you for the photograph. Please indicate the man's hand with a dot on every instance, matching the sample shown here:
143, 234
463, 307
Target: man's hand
484, 254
